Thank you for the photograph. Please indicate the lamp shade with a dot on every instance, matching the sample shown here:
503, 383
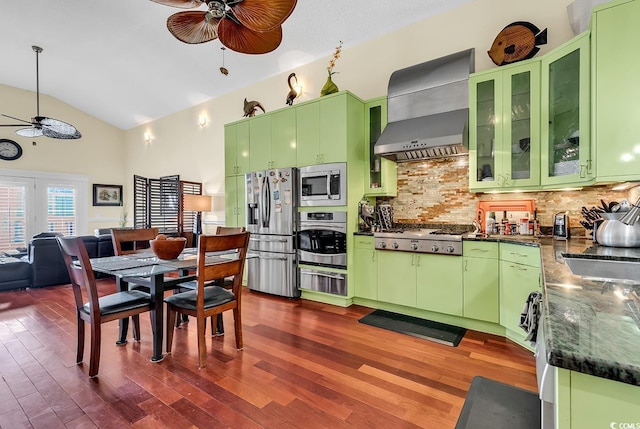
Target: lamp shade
197, 203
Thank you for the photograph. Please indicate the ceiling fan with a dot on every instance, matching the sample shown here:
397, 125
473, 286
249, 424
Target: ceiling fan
42, 125
245, 26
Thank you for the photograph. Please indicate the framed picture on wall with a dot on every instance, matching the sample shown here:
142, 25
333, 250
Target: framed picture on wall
107, 195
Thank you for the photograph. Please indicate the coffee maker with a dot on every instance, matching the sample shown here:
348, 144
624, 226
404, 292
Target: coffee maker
561, 226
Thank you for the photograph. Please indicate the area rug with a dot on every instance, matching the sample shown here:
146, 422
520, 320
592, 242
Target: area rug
414, 326
491, 404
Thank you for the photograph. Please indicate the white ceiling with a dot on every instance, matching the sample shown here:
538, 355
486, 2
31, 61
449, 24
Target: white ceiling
115, 59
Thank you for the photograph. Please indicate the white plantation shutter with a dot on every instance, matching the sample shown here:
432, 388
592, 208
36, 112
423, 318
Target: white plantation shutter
13, 202
32, 202
61, 209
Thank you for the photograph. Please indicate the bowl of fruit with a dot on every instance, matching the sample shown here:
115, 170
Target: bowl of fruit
167, 247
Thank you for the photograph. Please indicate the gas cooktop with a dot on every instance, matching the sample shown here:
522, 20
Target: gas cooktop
422, 241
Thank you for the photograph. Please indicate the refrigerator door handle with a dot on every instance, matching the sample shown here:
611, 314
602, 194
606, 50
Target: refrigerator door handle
268, 241
266, 258
266, 204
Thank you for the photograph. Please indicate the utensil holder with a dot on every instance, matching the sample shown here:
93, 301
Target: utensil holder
632, 215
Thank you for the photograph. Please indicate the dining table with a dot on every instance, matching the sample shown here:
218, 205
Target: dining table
144, 268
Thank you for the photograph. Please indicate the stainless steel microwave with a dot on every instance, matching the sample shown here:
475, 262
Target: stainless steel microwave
323, 185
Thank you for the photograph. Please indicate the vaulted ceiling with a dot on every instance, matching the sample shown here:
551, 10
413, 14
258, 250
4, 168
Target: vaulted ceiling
115, 59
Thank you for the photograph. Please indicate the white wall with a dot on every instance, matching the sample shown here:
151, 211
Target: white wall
100, 153
180, 146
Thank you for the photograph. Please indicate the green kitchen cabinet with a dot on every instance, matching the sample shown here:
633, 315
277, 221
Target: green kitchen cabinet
283, 138
565, 127
520, 274
397, 278
381, 174
504, 128
481, 281
326, 129
260, 143
234, 201
586, 401
615, 40
365, 273
439, 283
236, 148
273, 140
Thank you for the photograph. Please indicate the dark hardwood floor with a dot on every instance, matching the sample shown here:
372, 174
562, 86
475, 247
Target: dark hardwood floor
304, 365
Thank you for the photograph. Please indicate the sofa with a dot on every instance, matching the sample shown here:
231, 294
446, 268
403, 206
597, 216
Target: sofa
44, 266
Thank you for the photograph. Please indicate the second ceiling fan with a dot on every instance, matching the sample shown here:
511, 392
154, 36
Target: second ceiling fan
245, 26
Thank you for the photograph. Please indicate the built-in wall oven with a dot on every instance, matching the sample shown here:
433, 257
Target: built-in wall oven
323, 185
322, 251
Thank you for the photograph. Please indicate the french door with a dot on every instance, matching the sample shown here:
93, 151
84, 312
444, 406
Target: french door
31, 203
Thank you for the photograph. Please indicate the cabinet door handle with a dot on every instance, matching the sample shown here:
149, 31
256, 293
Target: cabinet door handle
583, 171
417, 260
519, 267
479, 250
465, 266
373, 256
520, 255
413, 259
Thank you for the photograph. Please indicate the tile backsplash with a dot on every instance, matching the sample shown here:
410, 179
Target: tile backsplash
437, 191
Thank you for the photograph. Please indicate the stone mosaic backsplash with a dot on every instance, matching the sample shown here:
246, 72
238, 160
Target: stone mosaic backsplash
437, 192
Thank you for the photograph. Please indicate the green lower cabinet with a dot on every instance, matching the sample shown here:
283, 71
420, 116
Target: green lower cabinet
439, 283
517, 281
481, 289
365, 276
585, 401
234, 201
397, 278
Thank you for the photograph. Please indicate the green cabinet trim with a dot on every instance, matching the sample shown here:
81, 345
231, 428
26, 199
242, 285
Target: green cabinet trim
381, 174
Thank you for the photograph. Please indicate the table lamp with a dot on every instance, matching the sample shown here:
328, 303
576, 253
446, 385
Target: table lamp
198, 204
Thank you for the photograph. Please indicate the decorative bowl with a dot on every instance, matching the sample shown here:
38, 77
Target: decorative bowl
168, 248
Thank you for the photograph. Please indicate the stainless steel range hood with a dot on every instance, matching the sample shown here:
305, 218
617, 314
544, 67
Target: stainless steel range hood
428, 110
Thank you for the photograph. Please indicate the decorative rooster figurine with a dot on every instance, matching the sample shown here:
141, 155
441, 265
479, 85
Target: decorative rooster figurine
292, 91
251, 107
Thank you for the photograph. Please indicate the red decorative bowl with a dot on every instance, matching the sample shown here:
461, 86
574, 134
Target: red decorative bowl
169, 248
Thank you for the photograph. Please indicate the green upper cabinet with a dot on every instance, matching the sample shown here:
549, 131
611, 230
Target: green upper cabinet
283, 138
616, 38
504, 128
381, 174
273, 140
260, 143
325, 126
566, 152
236, 148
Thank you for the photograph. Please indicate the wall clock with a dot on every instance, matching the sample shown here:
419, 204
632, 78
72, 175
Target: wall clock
10, 150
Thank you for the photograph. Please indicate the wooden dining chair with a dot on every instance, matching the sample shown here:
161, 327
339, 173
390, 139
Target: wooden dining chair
97, 310
126, 241
226, 283
207, 301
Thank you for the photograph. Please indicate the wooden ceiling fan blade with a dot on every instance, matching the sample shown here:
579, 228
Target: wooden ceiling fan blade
182, 4
241, 39
193, 27
263, 15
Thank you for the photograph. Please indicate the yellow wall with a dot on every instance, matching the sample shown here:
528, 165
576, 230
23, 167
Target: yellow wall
181, 146
99, 154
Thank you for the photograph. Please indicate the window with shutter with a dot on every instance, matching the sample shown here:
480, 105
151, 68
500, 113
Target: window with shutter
32, 202
13, 204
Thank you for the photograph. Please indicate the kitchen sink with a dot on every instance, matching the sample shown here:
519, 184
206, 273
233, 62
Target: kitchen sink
604, 269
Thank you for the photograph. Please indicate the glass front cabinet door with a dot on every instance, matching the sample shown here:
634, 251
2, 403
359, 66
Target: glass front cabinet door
381, 174
566, 152
504, 128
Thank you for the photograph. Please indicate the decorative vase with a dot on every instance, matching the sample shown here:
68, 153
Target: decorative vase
329, 87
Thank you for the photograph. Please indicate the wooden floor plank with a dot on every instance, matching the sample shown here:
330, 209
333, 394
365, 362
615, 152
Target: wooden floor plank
304, 365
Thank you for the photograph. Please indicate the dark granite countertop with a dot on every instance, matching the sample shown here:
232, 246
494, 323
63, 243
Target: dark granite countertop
590, 326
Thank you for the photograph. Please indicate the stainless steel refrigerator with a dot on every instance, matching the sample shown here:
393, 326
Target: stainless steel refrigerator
271, 211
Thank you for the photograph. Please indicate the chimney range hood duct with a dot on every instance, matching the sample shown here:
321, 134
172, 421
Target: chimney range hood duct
428, 110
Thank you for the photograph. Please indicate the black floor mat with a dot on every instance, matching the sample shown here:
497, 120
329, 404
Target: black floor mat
494, 405
421, 328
